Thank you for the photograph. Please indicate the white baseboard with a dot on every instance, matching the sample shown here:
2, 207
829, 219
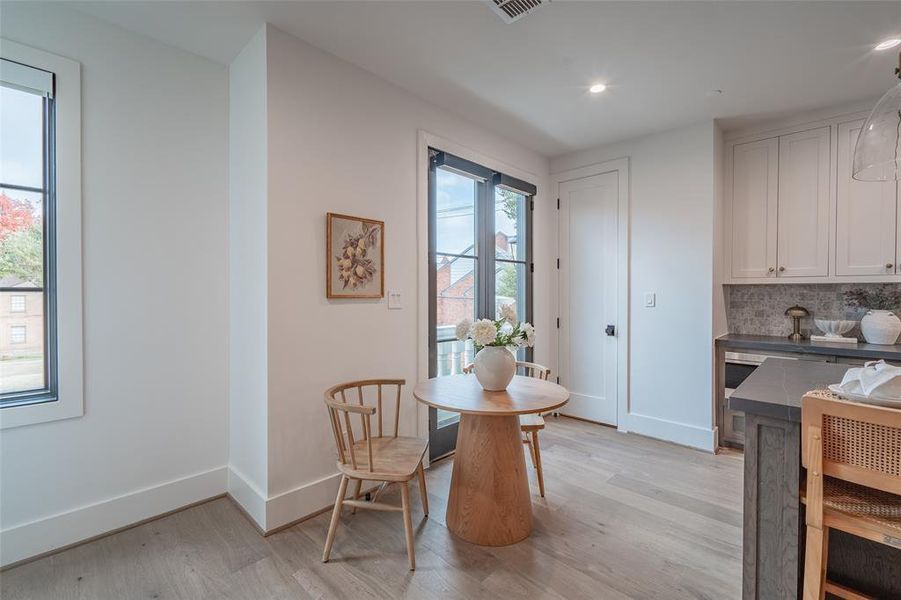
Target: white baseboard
44, 535
301, 501
273, 512
248, 496
672, 431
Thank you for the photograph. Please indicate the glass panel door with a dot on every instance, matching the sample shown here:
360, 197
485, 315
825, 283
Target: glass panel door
479, 260
454, 278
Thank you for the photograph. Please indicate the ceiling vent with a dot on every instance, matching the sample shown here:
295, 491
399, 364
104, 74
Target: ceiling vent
513, 10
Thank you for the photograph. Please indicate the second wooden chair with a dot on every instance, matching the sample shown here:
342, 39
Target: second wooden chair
530, 425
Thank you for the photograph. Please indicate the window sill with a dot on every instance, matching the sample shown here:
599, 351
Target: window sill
39, 410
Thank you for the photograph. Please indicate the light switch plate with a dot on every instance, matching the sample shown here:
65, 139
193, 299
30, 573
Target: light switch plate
650, 300
394, 301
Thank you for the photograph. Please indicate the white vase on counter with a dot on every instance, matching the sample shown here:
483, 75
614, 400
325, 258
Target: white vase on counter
880, 327
494, 367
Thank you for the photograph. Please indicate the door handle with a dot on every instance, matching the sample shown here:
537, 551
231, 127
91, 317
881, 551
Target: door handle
610, 330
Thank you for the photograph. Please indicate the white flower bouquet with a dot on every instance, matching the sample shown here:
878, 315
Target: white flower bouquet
506, 332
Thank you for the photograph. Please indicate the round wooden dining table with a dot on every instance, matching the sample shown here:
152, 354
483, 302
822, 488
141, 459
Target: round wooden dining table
489, 502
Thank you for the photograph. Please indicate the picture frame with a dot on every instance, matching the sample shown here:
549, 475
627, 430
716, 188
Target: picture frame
355, 257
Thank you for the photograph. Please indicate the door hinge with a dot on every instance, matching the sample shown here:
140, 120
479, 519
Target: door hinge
531, 267
558, 203
531, 205
558, 380
558, 322
558, 263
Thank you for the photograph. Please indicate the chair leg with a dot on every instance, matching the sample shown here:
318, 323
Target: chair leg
816, 557
408, 523
536, 449
358, 484
528, 442
336, 514
423, 495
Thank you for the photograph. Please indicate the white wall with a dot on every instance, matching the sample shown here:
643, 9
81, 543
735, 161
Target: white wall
672, 196
248, 344
153, 436
342, 140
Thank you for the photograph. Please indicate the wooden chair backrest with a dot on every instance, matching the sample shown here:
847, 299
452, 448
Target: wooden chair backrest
861, 443
342, 401
528, 369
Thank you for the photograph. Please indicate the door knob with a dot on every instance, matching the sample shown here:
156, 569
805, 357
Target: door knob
781, 269
610, 330
771, 270
889, 265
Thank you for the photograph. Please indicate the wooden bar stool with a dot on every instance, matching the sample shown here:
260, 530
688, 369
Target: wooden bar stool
852, 453
530, 425
388, 459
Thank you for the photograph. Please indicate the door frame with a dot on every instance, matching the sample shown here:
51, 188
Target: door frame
621, 167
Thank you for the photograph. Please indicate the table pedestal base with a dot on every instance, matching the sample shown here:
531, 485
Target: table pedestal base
489, 502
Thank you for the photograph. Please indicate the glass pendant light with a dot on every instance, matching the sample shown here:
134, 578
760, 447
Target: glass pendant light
877, 156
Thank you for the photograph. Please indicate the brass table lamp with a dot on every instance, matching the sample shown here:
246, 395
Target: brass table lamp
796, 313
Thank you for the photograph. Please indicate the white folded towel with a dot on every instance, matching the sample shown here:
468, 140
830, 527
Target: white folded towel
876, 377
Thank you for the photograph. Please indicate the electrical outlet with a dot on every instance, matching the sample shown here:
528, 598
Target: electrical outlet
650, 300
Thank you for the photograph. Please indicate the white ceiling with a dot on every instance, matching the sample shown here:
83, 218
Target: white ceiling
528, 81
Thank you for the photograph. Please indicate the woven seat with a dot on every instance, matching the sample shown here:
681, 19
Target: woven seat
874, 508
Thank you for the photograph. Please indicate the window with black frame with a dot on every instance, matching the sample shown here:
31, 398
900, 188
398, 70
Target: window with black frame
480, 230
27, 234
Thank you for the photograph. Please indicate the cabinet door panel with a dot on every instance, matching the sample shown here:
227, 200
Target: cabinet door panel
865, 218
803, 222
755, 168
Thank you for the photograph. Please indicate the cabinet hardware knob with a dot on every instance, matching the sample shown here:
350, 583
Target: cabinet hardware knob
889, 265
781, 269
771, 269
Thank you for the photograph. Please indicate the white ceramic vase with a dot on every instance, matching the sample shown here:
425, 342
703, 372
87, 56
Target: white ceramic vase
495, 367
880, 327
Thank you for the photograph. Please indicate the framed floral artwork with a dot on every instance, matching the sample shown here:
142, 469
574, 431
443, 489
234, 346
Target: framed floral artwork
355, 257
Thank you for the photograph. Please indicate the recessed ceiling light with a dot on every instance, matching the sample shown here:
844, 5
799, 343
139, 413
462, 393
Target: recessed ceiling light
597, 88
888, 44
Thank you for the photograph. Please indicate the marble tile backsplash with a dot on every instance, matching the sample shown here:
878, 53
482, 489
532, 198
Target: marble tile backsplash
760, 309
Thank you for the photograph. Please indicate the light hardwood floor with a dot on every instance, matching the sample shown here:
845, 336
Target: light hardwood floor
624, 517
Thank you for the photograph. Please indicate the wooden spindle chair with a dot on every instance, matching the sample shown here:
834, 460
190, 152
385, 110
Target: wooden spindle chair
852, 452
366, 456
530, 425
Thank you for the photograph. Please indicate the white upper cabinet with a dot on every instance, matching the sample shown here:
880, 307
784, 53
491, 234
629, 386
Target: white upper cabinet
793, 214
755, 173
802, 244
865, 216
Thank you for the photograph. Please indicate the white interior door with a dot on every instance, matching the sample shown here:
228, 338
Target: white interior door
588, 296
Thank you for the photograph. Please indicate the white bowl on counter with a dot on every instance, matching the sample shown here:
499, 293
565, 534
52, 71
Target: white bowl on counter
834, 329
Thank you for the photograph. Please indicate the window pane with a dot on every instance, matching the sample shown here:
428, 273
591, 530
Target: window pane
455, 218
21, 342
509, 224
510, 288
21, 239
456, 293
21, 138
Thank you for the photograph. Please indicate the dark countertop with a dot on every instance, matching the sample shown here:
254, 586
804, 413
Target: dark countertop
776, 387
738, 341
